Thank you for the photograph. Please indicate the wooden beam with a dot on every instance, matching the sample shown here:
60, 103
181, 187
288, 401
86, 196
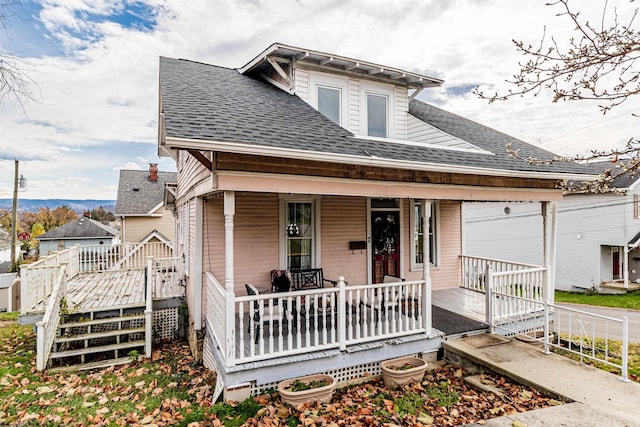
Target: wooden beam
201, 158
356, 65
279, 70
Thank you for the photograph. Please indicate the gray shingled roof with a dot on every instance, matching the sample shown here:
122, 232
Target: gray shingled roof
207, 102
137, 195
81, 228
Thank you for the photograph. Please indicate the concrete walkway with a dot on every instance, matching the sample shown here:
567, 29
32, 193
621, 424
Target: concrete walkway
600, 398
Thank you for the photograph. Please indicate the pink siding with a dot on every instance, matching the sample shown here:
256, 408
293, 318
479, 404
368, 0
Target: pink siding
255, 239
344, 219
190, 172
447, 273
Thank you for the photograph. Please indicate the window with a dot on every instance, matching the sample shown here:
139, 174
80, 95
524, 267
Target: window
299, 235
418, 230
329, 103
376, 115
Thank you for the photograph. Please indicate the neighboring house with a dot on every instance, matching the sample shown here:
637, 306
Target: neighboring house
598, 235
9, 292
82, 231
303, 159
143, 216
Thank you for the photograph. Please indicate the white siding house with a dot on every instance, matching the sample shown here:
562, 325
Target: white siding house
597, 235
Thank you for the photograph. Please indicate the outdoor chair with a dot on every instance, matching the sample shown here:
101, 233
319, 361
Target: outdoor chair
309, 278
277, 315
379, 302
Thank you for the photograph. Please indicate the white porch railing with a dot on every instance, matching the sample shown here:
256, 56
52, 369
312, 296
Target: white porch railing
519, 303
474, 270
47, 328
258, 327
167, 274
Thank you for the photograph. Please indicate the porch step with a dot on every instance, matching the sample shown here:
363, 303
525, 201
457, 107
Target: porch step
103, 334
102, 321
97, 349
101, 364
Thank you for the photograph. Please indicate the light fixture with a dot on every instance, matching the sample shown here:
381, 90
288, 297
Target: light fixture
22, 183
579, 236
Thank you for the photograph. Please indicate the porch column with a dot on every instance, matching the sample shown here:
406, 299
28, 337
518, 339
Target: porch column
625, 266
229, 212
549, 224
426, 275
197, 268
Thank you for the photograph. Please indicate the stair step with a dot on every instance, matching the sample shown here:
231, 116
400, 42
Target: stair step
103, 334
91, 365
102, 321
97, 349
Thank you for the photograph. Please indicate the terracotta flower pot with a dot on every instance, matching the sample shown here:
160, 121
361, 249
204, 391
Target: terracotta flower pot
403, 370
322, 394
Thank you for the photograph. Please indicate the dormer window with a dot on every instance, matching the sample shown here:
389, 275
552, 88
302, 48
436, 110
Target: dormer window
329, 102
328, 95
376, 115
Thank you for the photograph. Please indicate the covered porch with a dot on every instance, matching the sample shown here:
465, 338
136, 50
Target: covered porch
254, 340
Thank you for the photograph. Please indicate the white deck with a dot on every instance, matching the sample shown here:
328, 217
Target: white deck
111, 289
465, 302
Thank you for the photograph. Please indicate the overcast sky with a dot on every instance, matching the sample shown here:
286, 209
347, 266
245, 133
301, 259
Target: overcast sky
95, 63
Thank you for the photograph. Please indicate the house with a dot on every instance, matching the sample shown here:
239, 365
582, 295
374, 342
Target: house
140, 206
9, 292
598, 234
82, 231
317, 163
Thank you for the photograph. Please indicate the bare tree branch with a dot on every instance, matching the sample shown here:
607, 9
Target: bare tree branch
593, 65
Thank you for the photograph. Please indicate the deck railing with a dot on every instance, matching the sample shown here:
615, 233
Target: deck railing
271, 325
47, 328
167, 277
37, 279
474, 270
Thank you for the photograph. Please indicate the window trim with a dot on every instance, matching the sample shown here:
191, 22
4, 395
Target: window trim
317, 80
285, 199
386, 91
435, 220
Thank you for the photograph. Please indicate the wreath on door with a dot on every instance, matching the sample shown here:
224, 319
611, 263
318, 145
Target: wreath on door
386, 231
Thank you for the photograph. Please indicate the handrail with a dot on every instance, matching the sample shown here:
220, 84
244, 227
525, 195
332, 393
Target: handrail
46, 329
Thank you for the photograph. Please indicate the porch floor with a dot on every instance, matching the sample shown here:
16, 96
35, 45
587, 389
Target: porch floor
110, 289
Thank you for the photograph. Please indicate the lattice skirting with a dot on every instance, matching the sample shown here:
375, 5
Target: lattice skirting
340, 375
165, 327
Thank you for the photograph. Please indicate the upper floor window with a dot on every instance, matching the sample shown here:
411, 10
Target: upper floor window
329, 102
376, 115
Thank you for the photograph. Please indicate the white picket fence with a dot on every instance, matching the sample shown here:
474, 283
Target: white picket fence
258, 327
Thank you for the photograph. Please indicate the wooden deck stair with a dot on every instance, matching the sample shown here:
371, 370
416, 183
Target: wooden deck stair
108, 335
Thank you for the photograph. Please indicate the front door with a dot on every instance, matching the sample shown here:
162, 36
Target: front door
385, 236
616, 264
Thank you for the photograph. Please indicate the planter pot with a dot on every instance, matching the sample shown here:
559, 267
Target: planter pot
321, 394
403, 370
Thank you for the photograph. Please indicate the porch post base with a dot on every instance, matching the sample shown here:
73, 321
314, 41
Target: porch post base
196, 341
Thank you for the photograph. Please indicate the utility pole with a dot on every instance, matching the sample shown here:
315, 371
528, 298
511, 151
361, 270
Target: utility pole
14, 214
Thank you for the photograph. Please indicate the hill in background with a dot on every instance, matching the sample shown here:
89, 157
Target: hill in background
80, 206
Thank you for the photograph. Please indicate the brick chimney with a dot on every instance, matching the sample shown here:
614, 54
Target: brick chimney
153, 172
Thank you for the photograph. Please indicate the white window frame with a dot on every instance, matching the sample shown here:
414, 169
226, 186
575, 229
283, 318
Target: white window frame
317, 80
386, 91
435, 220
316, 259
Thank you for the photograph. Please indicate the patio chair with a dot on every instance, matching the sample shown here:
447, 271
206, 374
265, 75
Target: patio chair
379, 303
310, 278
278, 315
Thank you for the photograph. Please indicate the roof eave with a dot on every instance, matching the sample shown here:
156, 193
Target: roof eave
243, 148
411, 79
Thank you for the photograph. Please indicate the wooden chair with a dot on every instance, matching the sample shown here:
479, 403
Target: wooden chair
278, 315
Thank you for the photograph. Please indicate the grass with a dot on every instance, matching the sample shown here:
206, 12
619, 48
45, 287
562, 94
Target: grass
615, 350
630, 300
171, 389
